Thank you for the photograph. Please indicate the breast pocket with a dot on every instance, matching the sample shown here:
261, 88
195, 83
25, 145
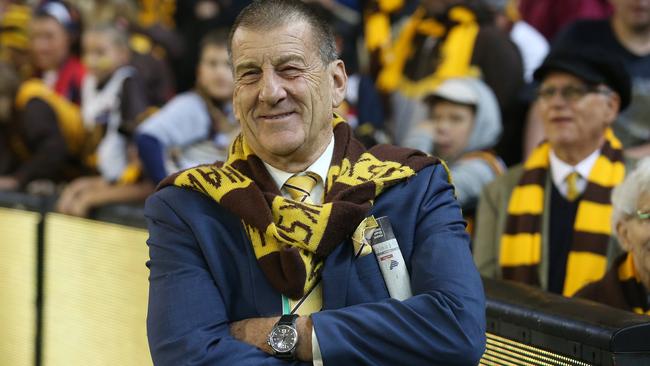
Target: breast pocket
370, 285
367, 266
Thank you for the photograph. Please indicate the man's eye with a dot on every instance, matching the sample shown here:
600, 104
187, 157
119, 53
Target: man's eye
290, 71
249, 74
572, 92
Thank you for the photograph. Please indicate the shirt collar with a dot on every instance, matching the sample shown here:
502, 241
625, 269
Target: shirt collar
560, 169
320, 167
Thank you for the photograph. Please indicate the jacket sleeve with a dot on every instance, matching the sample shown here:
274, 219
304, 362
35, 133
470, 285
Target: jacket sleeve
487, 234
442, 324
187, 322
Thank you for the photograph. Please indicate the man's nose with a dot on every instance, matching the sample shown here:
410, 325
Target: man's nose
272, 88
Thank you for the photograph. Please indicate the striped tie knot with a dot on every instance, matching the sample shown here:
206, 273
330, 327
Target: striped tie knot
299, 186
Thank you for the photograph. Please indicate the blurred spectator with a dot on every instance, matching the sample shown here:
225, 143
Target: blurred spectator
54, 35
531, 44
627, 283
195, 127
156, 47
380, 17
627, 35
547, 222
194, 19
345, 21
103, 11
443, 39
157, 12
154, 44
362, 107
550, 16
464, 123
153, 68
112, 101
533, 48
41, 133
14, 38
150, 22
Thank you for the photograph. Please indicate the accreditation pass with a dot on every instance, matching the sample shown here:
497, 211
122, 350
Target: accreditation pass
390, 259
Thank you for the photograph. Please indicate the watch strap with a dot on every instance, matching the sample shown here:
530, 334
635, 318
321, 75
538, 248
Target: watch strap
288, 319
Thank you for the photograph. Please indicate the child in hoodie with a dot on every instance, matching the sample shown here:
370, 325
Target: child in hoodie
464, 124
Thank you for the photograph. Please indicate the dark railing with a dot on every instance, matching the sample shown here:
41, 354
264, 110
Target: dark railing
528, 326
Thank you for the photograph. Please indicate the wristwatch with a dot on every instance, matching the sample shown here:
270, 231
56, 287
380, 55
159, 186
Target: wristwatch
283, 338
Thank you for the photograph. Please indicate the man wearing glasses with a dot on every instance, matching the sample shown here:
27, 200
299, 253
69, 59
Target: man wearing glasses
547, 222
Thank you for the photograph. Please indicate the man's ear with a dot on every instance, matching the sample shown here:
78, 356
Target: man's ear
613, 107
622, 234
339, 80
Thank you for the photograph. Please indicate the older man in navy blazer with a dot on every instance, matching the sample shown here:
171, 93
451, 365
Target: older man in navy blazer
251, 267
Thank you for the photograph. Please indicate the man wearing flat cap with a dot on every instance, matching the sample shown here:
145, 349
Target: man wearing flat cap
547, 222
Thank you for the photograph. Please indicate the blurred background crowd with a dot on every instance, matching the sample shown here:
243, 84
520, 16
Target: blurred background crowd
100, 100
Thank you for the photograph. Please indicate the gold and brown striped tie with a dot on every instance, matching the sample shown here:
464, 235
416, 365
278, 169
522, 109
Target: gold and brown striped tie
300, 187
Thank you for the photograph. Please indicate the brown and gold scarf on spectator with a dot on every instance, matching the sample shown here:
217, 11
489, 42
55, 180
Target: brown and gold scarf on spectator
455, 54
633, 290
521, 243
290, 239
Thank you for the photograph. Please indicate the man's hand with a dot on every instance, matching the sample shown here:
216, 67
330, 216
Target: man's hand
255, 331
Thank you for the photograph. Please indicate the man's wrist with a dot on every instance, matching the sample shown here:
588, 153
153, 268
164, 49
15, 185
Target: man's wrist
304, 326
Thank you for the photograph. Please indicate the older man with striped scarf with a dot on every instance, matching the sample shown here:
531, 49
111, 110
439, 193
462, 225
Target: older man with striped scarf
547, 222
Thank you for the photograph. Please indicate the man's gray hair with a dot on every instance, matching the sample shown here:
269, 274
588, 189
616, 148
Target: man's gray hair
626, 195
262, 15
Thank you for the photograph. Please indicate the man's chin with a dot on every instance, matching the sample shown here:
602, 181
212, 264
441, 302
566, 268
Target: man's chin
283, 151
280, 148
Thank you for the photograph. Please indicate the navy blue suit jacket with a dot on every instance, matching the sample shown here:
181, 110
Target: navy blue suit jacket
204, 275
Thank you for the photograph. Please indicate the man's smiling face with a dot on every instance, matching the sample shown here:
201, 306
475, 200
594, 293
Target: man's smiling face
284, 93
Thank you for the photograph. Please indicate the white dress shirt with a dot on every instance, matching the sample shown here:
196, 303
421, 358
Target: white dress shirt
560, 170
280, 177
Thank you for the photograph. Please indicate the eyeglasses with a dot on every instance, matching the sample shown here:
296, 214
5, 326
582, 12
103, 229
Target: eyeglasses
643, 215
570, 93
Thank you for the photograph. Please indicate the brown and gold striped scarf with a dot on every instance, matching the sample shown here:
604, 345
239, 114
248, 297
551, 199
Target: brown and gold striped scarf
521, 243
291, 239
633, 290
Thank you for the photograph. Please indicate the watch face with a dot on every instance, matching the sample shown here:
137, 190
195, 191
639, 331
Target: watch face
283, 338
